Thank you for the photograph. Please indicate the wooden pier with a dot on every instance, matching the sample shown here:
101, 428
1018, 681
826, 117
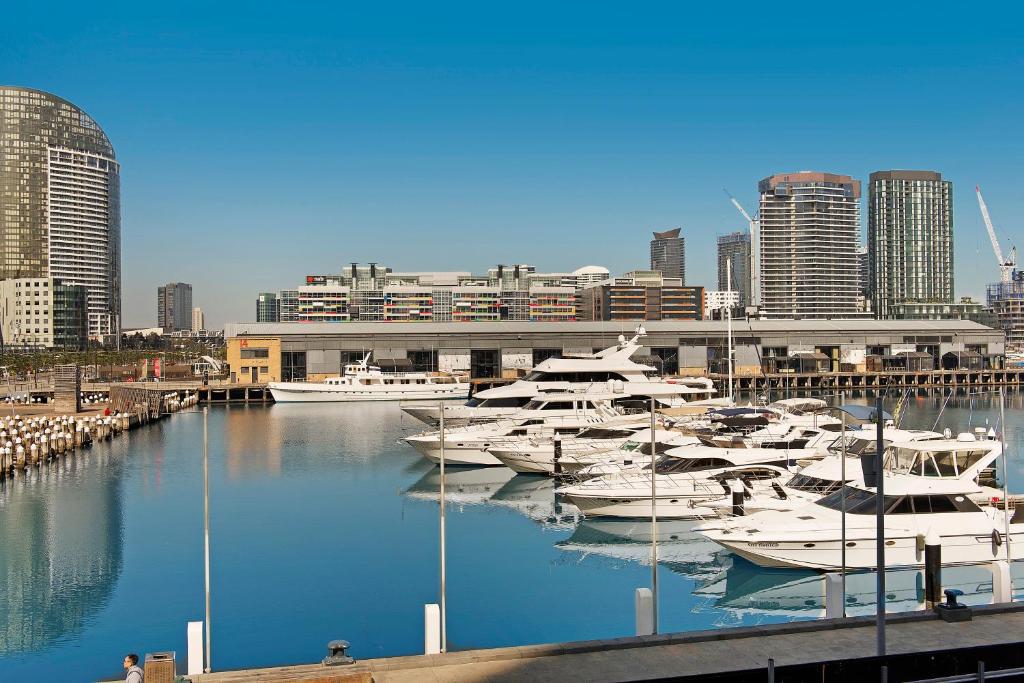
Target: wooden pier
899, 379
920, 646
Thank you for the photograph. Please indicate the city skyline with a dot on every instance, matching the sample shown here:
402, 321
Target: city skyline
562, 147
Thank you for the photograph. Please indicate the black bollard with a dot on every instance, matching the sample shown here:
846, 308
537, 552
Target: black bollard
932, 570
558, 457
737, 502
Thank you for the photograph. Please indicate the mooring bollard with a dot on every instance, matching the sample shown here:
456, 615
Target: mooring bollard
194, 662
1002, 582
737, 499
431, 629
644, 612
932, 570
834, 608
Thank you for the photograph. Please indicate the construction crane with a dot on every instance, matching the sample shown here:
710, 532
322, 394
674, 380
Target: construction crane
755, 251
1006, 265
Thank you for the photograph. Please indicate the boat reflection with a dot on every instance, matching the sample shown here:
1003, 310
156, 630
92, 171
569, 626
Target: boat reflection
534, 497
463, 486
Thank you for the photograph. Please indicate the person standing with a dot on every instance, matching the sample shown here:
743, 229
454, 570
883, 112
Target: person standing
131, 665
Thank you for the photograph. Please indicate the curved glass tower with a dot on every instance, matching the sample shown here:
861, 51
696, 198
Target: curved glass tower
60, 203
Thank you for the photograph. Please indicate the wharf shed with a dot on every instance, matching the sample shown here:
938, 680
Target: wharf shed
261, 352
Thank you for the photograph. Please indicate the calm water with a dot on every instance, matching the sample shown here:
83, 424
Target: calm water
324, 526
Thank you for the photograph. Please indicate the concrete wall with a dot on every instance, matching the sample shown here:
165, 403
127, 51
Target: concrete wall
453, 360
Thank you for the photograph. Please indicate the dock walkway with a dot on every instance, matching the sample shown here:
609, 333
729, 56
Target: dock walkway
742, 652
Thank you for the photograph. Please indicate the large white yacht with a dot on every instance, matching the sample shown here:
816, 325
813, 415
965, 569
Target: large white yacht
364, 382
546, 416
689, 477
941, 487
609, 370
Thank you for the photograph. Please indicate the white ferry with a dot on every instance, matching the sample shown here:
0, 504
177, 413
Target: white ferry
364, 382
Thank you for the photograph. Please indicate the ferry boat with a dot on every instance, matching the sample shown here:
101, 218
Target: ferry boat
364, 382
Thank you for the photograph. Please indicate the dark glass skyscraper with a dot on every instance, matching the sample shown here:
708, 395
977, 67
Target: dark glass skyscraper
734, 249
668, 254
60, 204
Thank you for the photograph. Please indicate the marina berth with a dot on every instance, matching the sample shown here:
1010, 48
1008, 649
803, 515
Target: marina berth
364, 382
611, 369
545, 417
937, 487
604, 444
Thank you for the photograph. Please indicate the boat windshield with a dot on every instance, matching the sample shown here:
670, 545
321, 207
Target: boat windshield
932, 463
804, 482
861, 502
855, 445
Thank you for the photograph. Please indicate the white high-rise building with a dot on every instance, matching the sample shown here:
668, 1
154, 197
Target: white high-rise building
810, 235
198, 319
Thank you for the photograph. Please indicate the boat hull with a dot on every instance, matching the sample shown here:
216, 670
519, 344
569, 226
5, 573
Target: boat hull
293, 392
901, 551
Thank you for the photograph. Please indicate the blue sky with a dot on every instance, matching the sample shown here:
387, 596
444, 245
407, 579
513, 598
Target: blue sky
264, 141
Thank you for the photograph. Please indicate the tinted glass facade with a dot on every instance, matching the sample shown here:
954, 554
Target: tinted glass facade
60, 207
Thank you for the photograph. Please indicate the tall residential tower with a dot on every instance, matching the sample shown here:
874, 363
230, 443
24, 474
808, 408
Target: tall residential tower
910, 239
174, 306
810, 233
668, 254
734, 249
60, 204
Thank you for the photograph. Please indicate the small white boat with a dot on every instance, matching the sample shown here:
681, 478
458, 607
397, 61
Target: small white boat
364, 382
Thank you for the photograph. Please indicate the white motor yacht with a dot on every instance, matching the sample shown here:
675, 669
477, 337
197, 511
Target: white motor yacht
599, 444
610, 369
545, 417
938, 487
364, 382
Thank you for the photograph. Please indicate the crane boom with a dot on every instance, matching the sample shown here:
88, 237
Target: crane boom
989, 227
1006, 265
739, 207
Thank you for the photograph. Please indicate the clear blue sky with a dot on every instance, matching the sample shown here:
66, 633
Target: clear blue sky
264, 141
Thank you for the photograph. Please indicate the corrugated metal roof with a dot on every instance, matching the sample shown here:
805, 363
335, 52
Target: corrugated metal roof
685, 327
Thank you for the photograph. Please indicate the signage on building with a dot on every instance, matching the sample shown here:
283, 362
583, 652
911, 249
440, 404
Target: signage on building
156, 368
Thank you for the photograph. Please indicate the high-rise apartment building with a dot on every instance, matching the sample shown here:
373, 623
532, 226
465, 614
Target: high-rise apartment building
910, 239
60, 203
174, 306
734, 250
198, 319
810, 233
267, 308
668, 254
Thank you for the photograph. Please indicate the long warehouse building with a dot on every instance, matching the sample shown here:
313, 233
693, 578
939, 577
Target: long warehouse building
262, 352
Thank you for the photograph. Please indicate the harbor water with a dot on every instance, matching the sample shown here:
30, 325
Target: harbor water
325, 526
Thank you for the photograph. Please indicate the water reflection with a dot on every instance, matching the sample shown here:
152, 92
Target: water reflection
60, 549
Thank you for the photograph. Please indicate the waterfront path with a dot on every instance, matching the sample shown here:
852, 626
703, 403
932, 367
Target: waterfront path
694, 654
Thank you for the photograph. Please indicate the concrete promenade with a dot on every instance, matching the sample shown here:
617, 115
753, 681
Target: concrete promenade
674, 656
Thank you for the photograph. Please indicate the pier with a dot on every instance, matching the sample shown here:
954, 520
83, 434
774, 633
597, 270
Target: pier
900, 379
920, 646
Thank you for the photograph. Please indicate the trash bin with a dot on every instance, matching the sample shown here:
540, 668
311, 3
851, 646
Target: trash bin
159, 667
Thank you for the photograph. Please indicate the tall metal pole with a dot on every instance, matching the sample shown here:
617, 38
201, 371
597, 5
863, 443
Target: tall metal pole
842, 508
1006, 479
728, 314
880, 532
654, 524
206, 531
444, 586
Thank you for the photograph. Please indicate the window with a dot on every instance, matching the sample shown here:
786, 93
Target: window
255, 353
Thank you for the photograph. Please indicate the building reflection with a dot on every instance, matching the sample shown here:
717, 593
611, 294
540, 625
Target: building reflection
61, 542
